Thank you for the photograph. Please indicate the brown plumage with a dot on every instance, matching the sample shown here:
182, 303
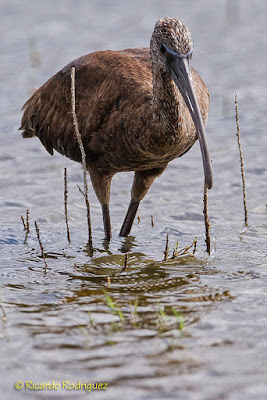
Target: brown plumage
134, 113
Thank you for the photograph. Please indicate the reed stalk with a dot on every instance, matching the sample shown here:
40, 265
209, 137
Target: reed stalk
66, 202
166, 252
195, 245
175, 250
26, 223
83, 155
241, 162
125, 263
40, 244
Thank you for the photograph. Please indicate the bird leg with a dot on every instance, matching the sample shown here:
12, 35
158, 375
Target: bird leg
142, 182
129, 218
101, 183
106, 221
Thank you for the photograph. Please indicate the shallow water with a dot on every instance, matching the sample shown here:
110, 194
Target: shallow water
58, 326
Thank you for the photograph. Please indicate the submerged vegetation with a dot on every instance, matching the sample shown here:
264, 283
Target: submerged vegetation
164, 319
114, 308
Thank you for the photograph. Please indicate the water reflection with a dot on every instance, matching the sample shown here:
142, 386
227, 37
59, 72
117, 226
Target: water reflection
82, 319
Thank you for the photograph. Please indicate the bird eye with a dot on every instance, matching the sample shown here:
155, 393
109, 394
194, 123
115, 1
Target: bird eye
163, 48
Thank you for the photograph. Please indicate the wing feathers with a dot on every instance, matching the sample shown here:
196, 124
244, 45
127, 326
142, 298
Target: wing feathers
104, 82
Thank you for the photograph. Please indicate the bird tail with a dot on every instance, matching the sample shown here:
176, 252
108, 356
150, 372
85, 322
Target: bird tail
27, 133
28, 121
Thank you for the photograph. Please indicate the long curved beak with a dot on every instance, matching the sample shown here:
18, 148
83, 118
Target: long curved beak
180, 71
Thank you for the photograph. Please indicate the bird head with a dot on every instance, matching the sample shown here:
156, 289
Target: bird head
172, 33
171, 50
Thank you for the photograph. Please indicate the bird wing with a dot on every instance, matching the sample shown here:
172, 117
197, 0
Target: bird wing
103, 80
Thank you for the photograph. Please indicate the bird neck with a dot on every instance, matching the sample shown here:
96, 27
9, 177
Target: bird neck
166, 104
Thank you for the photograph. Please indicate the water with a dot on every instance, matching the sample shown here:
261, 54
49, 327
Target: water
58, 326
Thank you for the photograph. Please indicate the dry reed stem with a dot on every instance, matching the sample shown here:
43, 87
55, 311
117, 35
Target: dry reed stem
152, 221
138, 219
66, 202
40, 243
195, 245
186, 249
166, 252
241, 162
206, 218
80, 189
182, 252
26, 223
80, 143
175, 250
125, 262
